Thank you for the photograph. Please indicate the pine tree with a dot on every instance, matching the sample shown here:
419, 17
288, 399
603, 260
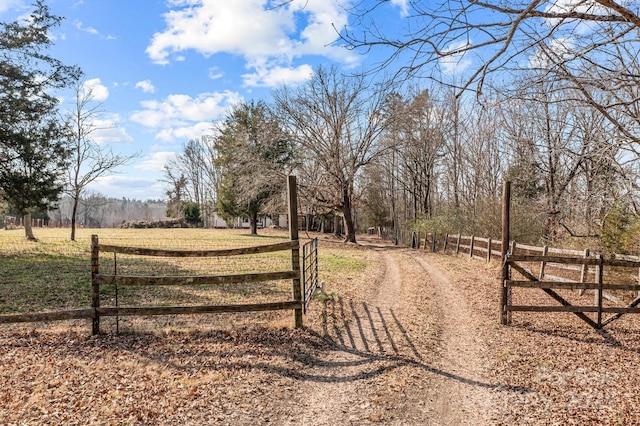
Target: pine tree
33, 141
254, 156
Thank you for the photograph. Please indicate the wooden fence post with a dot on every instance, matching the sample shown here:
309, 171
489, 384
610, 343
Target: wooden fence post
446, 243
473, 240
489, 250
95, 287
295, 252
433, 243
583, 272
504, 294
458, 243
545, 251
598, 293
638, 277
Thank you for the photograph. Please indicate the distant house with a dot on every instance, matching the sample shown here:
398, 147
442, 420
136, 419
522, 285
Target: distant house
239, 222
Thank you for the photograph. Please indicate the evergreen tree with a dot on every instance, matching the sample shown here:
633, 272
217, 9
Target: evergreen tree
254, 156
191, 212
33, 141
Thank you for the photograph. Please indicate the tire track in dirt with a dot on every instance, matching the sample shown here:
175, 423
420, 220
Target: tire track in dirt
466, 400
360, 378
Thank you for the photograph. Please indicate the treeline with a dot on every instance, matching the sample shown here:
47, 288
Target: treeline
555, 118
97, 211
93, 211
416, 158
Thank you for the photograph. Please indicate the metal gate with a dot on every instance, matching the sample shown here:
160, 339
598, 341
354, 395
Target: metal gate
309, 270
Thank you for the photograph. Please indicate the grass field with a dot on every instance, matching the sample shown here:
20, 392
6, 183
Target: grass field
54, 273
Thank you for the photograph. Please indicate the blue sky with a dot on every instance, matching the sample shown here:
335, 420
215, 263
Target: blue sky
165, 70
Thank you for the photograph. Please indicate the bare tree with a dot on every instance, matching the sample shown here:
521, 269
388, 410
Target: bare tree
591, 45
196, 163
418, 140
89, 159
337, 122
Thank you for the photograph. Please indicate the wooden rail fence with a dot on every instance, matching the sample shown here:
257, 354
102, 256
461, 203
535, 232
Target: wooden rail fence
475, 247
98, 278
518, 263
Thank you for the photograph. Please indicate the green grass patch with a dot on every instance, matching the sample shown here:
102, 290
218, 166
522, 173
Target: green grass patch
341, 261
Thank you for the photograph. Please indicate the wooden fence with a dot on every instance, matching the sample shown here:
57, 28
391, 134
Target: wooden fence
95, 312
475, 247
98, 279
549, 269
519, 262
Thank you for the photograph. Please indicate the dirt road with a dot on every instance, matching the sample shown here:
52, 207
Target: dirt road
408, 354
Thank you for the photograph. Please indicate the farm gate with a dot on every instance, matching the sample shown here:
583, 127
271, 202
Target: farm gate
553, 285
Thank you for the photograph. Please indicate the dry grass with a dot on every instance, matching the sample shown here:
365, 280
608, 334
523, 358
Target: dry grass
208, 369
54, 273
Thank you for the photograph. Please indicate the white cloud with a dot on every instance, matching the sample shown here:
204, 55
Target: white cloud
455, 61
110, 133
402, 4
578, 6
6, 5
558, 48
179, 116
146, 86
81, 27
95, 89
275, 76
249, 29
140, 188
215, 73
156, 161
238, 27
185, 132
91, 30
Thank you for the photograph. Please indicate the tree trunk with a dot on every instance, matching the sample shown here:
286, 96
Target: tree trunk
336, 225
28, 231
348, 218
253, 223
73, 218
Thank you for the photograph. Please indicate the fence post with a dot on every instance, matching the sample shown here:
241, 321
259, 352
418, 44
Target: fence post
504, 295
473, 240
458, 243
638, 277
426, 238
489, 250
545, 251
305, 254
433, 243
446, 242
295, 252
583, 272
598, 293
95, 287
